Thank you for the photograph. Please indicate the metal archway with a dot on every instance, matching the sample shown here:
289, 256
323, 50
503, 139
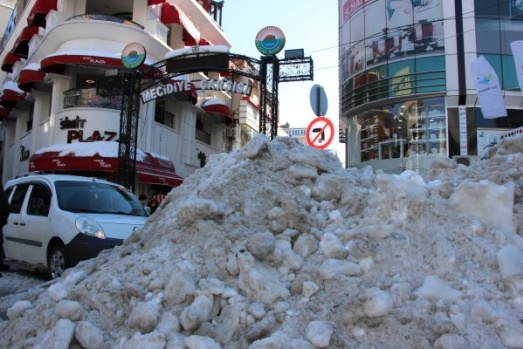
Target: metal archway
269, 71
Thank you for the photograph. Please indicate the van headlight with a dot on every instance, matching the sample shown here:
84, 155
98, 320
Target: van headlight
89, 227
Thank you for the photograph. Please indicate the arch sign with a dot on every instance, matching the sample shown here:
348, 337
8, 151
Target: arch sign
320, 133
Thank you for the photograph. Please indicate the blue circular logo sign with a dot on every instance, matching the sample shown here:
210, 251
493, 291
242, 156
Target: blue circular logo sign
270, 40
133, 55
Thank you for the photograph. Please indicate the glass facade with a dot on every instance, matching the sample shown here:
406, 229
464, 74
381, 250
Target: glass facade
393, 81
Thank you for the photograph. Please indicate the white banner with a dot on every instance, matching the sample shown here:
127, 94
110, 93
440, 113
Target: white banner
517, 51
488, 88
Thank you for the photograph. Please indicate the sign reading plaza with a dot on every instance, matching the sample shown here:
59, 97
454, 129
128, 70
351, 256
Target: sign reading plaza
176, 86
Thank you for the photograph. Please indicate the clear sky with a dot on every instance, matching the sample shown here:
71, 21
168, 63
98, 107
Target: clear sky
310, 25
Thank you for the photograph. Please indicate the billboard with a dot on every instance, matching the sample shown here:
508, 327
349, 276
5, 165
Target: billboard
379, 31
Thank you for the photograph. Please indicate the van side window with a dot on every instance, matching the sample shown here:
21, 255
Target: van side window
39, 200
18, 198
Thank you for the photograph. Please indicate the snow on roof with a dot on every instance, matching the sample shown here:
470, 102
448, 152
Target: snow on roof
196, 49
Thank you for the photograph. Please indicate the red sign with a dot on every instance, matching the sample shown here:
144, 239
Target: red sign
320, 133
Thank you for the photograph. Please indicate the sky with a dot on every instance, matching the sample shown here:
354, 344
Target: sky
304, 254
308, 25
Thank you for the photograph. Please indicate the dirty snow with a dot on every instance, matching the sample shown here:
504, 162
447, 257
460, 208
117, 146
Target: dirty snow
277, 246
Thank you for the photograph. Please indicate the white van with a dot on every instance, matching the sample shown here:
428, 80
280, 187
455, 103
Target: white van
56, 221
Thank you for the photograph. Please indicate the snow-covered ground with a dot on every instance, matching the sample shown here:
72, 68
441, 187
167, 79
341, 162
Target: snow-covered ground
277, 246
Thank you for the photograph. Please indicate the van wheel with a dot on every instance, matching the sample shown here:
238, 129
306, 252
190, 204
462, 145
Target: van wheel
57, 261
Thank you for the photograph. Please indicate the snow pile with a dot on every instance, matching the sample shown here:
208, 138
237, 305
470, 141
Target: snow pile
277, 246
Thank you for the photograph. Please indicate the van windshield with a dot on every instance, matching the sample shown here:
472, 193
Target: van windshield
95, 197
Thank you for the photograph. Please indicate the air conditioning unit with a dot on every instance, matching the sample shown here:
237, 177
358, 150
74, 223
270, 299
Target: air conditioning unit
466, 160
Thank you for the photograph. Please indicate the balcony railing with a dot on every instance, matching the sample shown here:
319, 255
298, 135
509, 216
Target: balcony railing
87, 98
90, 17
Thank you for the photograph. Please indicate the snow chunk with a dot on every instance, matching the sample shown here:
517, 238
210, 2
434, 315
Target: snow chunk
144, 315
57, 292
495, 207
332, 268
379, 303
88, 335
153, 340
193, 209
510, 259
261, 244
332, 247
260, 282
69, 310
201, 342
435, 288
319, 333
59, 337
199, 311
18, 309
281, 340
255, 146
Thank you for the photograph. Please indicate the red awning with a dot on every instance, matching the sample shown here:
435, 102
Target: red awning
172, 15
21, 46
150, 168
39, 12
217, 106
155, 2
157, 170
9, 60
4, 112
30, 75
10, 95
56, 62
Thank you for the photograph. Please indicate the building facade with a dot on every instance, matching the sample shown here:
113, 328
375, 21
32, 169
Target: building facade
407, 94
53, 57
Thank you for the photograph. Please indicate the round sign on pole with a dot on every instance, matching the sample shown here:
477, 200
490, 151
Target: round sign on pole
133, 55
318, 99
270, 40
320, 133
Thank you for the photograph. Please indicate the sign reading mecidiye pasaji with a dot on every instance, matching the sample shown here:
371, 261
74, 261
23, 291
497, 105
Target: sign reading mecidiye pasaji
177, 86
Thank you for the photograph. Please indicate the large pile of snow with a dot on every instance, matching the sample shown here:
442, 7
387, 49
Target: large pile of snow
277, 246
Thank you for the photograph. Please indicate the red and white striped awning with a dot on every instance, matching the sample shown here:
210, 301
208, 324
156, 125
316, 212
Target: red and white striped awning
150, 168
39, 12
29, 76
10, 95
21, 46
56, 62
219, 108
9, 60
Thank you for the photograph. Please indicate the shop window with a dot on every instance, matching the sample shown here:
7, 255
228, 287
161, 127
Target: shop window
409, 128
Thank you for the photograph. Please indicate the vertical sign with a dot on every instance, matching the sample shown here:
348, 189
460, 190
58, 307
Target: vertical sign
463, 142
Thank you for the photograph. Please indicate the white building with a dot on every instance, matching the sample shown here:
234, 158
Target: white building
56, 52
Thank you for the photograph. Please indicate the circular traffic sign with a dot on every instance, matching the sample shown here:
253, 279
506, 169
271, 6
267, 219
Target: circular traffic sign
320, 133
318, 99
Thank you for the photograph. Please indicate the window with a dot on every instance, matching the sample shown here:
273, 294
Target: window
162, 115
203, 131
29, 122
39, 200
18, 198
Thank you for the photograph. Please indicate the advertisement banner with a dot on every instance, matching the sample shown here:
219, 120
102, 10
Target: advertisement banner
517, 51
488, 89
